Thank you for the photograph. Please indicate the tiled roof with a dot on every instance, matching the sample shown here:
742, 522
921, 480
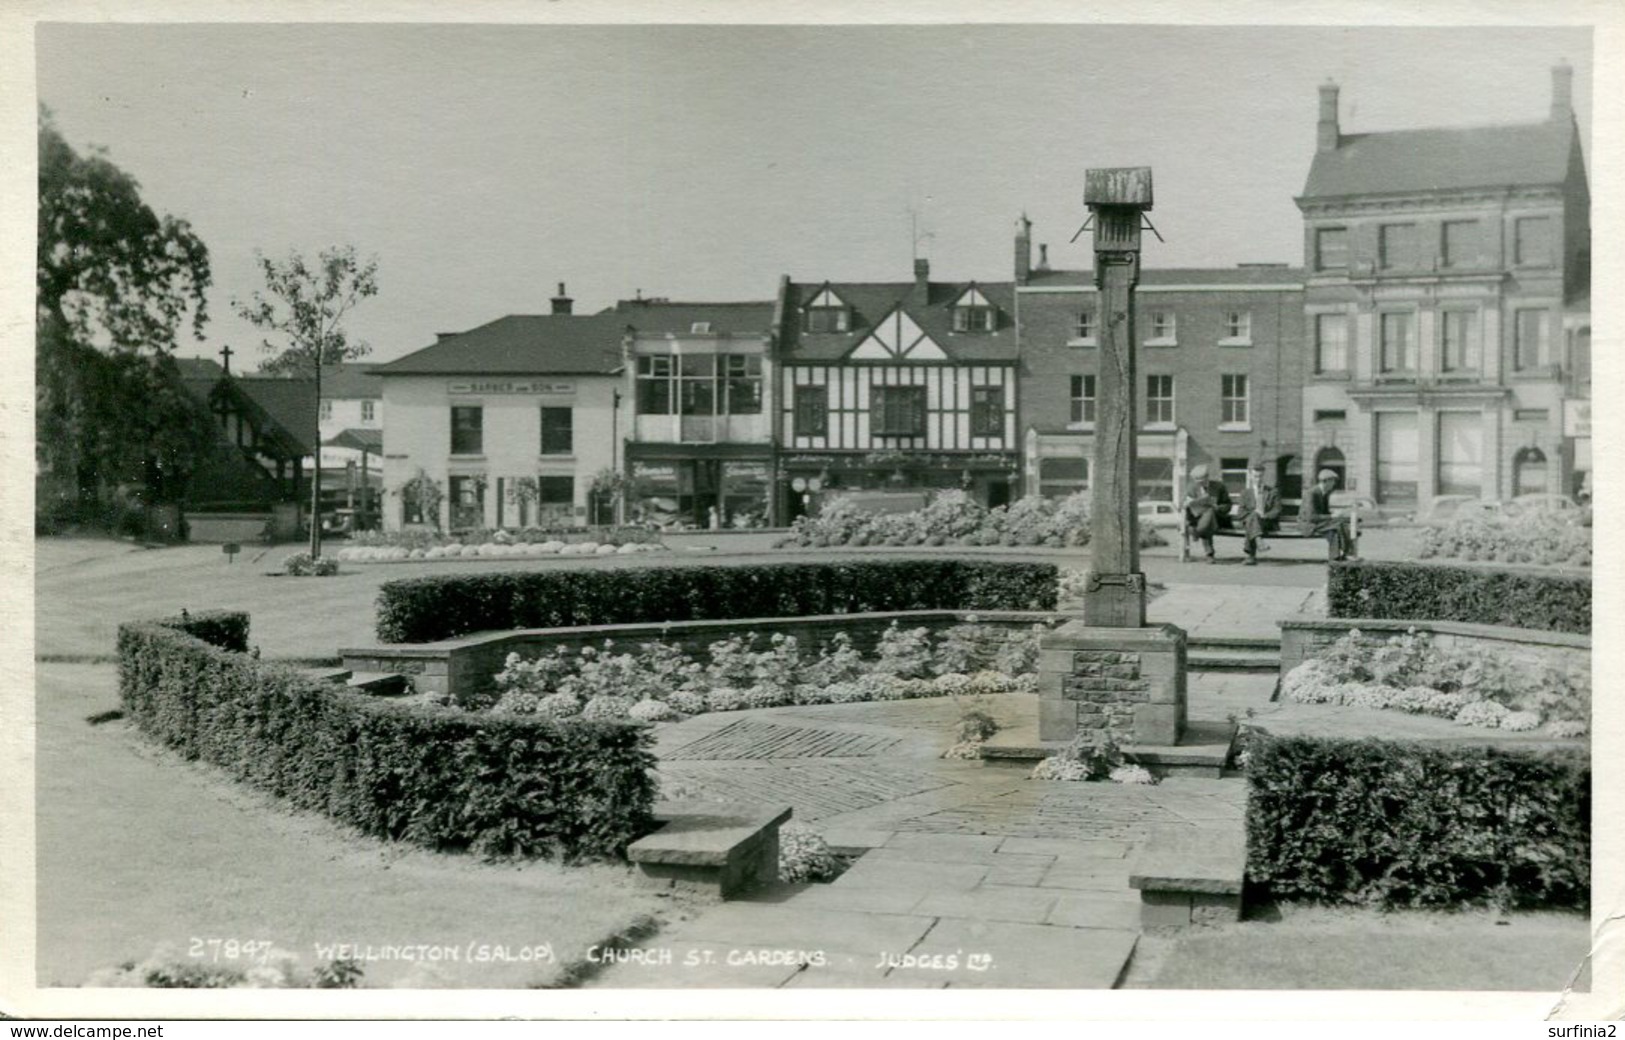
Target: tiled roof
660, 317
350, 381
1174, 276
932, 311
291, 404
1404, 161
523, 344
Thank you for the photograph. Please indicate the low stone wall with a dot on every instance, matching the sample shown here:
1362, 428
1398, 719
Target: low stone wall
1302, 640
466, 667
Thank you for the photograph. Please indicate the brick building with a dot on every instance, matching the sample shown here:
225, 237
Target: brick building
1220, 372
1448, 271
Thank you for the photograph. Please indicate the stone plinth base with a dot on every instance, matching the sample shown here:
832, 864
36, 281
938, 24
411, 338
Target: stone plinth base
1126, 683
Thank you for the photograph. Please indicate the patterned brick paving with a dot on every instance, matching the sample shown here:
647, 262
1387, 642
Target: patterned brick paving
816, 789
748, 738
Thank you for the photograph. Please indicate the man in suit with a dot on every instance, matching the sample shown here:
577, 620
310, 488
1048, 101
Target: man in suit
1207, 508
1260, 511
1317, 518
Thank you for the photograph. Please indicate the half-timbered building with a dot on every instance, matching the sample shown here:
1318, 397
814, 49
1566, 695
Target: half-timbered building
897, 387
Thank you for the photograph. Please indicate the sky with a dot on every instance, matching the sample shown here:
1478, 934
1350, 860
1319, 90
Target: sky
482, 165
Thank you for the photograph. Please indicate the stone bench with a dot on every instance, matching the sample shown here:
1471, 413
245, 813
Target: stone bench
711, 846
1192, 875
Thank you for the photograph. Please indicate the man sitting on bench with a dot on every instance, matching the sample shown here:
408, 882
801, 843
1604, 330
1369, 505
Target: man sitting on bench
1317, 520
1260, 511
1207, 508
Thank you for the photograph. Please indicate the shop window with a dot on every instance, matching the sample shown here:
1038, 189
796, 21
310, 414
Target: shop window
1397, 454
654, 386
555, 501
1063, 475
1461, 453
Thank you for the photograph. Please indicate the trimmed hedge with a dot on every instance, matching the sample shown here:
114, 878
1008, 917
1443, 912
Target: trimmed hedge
1409, 824
1484, 595
433, 776
420, 610
226, 629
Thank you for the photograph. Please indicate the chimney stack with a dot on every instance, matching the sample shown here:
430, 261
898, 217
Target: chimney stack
1327, 131
562, 304
1562, 91
922, 274
1024, 249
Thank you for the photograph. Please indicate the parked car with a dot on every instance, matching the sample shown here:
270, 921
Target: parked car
1525, 505
1159, 514
1446, 509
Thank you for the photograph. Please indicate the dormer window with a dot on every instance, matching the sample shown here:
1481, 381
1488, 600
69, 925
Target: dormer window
826, 312
700, 328
974, 313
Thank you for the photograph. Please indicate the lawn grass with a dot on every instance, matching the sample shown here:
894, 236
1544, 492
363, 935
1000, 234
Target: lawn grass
139, 851
1313, 947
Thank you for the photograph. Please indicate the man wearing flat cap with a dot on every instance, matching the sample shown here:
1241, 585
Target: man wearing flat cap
1260, 510
1207, 508
1317, 519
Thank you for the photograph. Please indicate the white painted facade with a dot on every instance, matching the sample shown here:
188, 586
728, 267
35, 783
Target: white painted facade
510, 445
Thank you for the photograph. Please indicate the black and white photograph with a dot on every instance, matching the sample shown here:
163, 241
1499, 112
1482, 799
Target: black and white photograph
638, 511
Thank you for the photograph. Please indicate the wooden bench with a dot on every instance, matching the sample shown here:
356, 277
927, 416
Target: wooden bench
1284, 531
711, 846
1190, 875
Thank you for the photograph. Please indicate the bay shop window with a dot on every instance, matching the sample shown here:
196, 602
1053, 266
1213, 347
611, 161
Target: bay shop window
699, 384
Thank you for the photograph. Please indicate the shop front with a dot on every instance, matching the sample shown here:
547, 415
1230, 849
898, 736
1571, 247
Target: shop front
894, 480
720, 488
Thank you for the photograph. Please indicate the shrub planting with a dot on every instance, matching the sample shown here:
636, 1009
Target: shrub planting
417, 610
226, 629
303, 565
1410, 672
955, 518
1550, 601
657, 682
498, 785
1550, 539
1399, 824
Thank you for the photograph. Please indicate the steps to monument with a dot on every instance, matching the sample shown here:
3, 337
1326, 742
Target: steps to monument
379, 684
1232, 653
1203, 752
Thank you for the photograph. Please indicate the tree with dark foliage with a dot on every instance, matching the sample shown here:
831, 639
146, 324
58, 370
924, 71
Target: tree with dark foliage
115, 283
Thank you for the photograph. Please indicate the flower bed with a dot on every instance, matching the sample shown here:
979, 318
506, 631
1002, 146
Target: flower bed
659, 682
1547, 539
501, 544
1474, 687
955, 518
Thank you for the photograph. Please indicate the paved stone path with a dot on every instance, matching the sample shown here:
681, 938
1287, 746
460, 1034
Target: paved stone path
970, 876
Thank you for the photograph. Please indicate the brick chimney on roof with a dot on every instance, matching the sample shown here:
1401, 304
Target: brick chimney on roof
1327, 131
1024, 249
562, 304
922, 274
1562, 91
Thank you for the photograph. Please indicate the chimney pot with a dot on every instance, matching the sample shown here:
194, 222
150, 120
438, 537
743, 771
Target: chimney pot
1024, 249
1327, 130
562, 304
1562, 90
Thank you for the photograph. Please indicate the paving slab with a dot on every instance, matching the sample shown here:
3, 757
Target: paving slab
955, 848
1064, 847
789, 927
1075, 911
1087, 876
900, 900
912, 876
1017, 905
975, 855
1030, 956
